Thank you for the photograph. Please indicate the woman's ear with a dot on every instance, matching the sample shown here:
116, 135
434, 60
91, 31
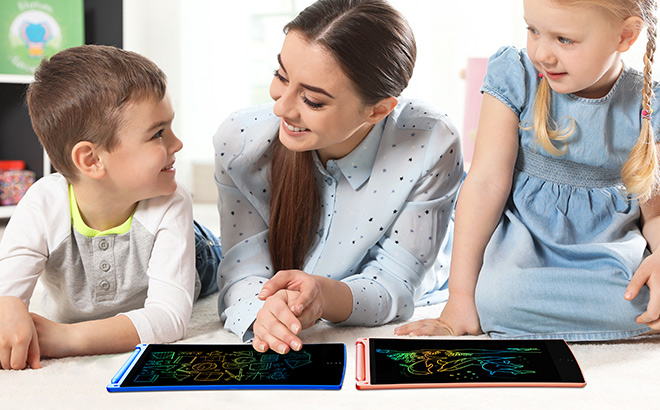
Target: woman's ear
632, 28
86, 159
382, 109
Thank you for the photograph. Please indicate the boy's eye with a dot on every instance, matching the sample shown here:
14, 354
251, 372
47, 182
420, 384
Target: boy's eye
565, 40
159, 134
532, 30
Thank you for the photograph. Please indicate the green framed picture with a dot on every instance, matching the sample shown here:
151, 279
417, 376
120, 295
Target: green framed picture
32, 30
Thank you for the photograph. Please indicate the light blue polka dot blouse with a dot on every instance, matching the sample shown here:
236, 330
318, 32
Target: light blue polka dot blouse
386, 213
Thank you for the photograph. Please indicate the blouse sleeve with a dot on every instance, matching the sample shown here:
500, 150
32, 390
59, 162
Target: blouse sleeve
240, 176
391, 278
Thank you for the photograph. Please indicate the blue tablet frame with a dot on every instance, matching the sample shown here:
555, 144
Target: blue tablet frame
118, 379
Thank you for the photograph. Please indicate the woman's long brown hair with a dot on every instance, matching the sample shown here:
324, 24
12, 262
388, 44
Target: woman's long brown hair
375, 47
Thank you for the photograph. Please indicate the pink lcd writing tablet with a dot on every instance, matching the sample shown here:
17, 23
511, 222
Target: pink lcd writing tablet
422, 363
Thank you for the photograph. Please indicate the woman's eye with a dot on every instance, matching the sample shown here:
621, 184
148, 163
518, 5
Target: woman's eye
312, 104
280, 77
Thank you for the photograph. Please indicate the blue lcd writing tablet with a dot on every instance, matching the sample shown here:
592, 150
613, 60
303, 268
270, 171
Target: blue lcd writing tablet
154, 367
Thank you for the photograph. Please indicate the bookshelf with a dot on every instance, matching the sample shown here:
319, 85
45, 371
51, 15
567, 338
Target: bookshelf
103, 25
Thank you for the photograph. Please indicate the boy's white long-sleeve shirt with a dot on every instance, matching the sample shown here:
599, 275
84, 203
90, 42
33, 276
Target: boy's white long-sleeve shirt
146, 273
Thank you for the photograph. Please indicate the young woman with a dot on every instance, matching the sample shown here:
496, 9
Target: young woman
336, 200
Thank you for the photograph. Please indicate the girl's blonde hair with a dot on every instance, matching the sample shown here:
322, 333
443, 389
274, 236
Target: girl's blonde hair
641, 172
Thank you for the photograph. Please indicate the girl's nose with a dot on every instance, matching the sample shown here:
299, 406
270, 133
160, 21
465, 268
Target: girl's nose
544, 54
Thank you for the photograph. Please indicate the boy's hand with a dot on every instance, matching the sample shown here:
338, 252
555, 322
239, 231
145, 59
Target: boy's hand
19, 344
54, 340
459, 317
648, 273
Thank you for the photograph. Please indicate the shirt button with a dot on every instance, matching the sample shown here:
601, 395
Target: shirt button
105, 285
105, 266
104, 245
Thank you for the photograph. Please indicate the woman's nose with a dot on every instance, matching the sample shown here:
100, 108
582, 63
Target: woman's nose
284, 101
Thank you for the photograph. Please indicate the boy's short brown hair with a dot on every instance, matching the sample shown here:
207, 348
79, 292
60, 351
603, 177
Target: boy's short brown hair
80, 93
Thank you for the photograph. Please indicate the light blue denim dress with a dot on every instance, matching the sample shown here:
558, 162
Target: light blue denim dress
569, 241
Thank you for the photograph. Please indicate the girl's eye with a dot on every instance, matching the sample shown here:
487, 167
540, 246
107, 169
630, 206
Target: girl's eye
565, 40
159, 134
280, 77
312, 104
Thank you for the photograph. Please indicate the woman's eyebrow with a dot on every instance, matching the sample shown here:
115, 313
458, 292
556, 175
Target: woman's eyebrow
306, 86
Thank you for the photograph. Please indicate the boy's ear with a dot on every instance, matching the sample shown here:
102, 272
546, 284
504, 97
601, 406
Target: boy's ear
86, 159
632, 28
382, 109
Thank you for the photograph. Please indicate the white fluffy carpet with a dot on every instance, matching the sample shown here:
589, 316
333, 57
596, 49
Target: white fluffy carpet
621, 375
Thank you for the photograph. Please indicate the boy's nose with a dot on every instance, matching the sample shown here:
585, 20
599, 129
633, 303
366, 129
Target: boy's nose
176, 143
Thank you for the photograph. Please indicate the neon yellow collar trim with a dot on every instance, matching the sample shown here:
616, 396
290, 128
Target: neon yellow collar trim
82, 227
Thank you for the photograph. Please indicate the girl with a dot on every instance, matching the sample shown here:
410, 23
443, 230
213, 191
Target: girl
558, 216
338, 193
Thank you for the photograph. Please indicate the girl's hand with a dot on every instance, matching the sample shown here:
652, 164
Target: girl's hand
459, 317
19, 344
648, 273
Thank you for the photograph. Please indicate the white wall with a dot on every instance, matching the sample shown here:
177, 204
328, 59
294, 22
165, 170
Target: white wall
219, 55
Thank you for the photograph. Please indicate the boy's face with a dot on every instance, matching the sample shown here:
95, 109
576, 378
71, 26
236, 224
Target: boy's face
141, 165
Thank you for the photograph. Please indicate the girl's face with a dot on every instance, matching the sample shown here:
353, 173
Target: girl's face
316, 102
576, 48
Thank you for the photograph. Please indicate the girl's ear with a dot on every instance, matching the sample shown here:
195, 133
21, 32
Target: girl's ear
382, 109
86, 159
632, 28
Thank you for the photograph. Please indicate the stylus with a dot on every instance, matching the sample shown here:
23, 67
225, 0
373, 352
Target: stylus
122, 370
360, 363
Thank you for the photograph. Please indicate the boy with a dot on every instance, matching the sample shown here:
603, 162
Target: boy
111, 235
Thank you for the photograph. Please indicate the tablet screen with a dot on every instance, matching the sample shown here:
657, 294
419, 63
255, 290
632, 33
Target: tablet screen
235, 365
401, 361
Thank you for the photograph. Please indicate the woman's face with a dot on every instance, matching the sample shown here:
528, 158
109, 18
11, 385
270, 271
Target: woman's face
316, 102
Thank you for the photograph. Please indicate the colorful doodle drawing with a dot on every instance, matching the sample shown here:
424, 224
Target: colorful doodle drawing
495, 363
219, 366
